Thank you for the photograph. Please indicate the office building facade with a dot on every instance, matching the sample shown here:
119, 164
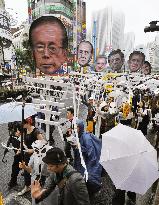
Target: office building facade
109, 29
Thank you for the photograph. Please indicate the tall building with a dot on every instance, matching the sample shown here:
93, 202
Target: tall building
153, 49
109, 29
20, 34
118, 20
5, 33
128, 44
55, 7
2, 4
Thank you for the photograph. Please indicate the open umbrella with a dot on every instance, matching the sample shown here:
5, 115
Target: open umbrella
17, 111
129, 159
12, 111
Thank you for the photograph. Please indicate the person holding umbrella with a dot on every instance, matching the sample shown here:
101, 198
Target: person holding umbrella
31, 135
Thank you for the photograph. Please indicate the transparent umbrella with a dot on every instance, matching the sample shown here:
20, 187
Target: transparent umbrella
12, 111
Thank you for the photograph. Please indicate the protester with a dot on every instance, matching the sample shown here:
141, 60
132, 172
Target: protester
107, 119
67, 148
143, 118
91, 150
14, 139
135, 62
126, 115
116, 60
72, 187
32, 134
91, 122
48, 40
36, 167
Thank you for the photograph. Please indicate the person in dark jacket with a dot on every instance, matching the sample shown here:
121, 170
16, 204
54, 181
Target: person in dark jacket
31, 135
107, 119
72, 187
67, 148
14, 139
143, 118
91, 114
91, 150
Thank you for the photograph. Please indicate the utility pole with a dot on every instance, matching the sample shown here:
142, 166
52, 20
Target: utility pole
2, 49
94, 41
30, 11
75, 24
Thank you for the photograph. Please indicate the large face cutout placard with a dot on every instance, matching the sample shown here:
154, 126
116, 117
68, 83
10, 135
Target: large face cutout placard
48, 46
84, 53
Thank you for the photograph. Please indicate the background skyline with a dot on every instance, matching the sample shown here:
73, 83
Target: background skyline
138, 14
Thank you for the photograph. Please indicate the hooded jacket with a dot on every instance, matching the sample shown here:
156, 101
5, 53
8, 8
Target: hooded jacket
91, 150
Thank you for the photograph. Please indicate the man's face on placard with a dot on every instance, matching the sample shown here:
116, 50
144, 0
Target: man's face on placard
116, 62
146, 69
48, 50
84, 53
135, 63
100, 64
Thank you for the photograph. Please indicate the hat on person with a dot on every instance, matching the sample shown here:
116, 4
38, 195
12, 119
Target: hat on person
54, 156
91, 98
28, 120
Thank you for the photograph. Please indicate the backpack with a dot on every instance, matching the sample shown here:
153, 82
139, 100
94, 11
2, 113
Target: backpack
61, 185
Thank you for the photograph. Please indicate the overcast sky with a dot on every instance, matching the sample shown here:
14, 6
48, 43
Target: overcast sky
18, 8
138, 13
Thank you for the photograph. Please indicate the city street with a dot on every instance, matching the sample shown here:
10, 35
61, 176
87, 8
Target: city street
10, 196
95, 56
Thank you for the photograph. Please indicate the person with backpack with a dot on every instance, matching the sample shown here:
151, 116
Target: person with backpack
91, 151
71, 185
31, 135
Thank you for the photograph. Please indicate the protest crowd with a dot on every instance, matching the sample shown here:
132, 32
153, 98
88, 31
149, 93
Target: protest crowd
121, 94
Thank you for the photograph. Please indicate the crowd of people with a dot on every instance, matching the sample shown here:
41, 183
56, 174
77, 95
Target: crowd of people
74, 175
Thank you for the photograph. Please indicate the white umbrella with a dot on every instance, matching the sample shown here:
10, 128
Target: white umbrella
141, 86
11, 112
156, 91
152, 84
129, 159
